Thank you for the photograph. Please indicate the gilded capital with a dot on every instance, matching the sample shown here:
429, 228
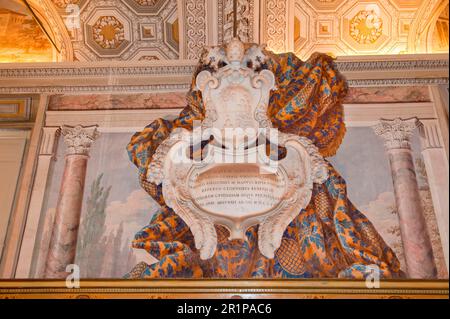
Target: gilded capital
79, 139
397, 132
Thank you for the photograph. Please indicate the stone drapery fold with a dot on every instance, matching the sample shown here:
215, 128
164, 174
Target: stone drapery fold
329, 238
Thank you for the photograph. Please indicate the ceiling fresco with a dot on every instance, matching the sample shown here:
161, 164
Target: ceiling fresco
157, 30
21, 37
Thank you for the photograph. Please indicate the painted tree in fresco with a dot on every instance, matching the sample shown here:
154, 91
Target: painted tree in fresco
102, 252
90, 251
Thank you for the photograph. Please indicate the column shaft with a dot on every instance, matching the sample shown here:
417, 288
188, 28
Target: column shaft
413, 228
68, 210
63, 243
416, 242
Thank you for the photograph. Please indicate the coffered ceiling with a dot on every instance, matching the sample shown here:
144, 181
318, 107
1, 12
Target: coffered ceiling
342, 27
121, 29
156, 30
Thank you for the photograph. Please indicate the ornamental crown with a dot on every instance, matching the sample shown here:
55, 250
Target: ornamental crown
234, 53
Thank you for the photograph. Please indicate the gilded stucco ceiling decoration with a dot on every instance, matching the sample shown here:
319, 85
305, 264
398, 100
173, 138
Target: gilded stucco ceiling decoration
63, 3
366, 27
146, 2
122, 29
149, 58
350, 27
108, 32
145, 6
179, 29
326, 4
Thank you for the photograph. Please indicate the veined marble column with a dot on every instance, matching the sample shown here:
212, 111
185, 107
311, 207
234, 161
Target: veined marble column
416, 241
436, 165
67, 217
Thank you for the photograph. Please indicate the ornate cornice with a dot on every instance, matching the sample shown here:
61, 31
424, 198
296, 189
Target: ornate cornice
386, 65
398, 82
177, 75
74, 70
96, 89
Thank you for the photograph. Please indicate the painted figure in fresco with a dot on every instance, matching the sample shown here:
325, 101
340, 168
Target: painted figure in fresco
330, 238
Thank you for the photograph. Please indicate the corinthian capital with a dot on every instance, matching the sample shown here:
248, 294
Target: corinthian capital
397, 132
79, 139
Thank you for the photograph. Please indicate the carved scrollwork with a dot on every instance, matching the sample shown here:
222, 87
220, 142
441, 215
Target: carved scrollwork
253, 188
310, 168
319, 166
155, 172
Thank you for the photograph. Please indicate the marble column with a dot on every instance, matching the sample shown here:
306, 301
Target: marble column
63, 241
416, 241
436, 165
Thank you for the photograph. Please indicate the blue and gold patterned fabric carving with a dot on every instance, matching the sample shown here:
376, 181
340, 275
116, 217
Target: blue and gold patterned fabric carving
330, 238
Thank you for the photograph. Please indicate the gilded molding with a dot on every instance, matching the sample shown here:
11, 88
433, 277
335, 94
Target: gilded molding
223, 288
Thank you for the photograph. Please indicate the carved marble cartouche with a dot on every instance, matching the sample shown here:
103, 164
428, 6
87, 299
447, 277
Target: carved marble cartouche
234, 182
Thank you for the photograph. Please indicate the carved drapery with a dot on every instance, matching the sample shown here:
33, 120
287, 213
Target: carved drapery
236, 99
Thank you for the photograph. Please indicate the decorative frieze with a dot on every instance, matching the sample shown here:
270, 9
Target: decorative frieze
172, 76
195, 28
276, 24
352, 64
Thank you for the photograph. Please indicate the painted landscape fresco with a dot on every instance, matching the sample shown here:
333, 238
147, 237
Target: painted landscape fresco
115, 207
364, 164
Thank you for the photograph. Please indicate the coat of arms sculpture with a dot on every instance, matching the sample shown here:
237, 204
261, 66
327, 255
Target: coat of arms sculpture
232, 179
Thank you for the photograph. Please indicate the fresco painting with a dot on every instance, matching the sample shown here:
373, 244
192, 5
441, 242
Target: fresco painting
21, 37
115, 207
